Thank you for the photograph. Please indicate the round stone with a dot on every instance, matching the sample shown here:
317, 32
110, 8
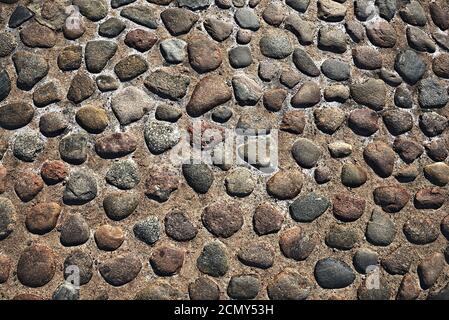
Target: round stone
339, 149
81, 88
365, 260
123, 175
93, 119
257, 255
341, 237
244, 36
240, 183
204, 289
289, 285
296, 244
141, 40
381, 34
115, 145
27, 146
363, 122
331, 273
28, 186
247, 19
161, 136
222, 114
275, 45
380, 157
420, 230
437, 173
391, 198
199, 176
73, 148
70, 58
398, 121
7, 217
167, 260
165, 112
204, 54
36, 266
348, 207
410, 66
432, 123
353, 175
42, 217
329, 119
307, 96
336, 69
82, 263
240, 57
160, 183
107, 83
306, 152
243, 287
118, 206
81, 188
147, 230
380, 230
285, 184
222, 219
111, 28
130, 67
120, 270
174, 50
432, 94
52, 124
5, 268
307, 208
109, 238
403, 98
267, 219
430, 269
179, 227
213, 259
74, 230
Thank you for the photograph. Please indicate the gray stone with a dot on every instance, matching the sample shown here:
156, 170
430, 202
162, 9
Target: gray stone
306, 152
178, 21
331, 273
174, 50
275, 45
298, 5
387, 8
213, 259
199, 176
218, 29
92, 9
336, 69
243, 287
81, 188
140, 14
302, 29
194, 4
413, 13
73, 148
410, 66
30, 68
168, 84
161, 136
123, 174
240, 57
304, 63
247, 19
147, 230
332, 39
66, 291
74, 230
5, 85
20, 15
7, 217
98, 53
341, 237
130, 67
130, 104
7, 44
118, 206
111, 28
365, 260
380, 230
246, 90
432, 94
419, 40
308, 207
27, 146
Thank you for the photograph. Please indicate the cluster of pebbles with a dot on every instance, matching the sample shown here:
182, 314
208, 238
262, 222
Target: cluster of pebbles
95, 94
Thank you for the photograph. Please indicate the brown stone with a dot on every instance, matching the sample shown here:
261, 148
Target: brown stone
120, 270
204, 54
408, 289
293, 121
3, 173
5, 267
54, 171
37, 35
27, 297
167, 260
179, 227
285, 184
36, 266
391, 198
223, 219
296, 244
42, 217
348, 207
141, 40
381, 34
430, 269
267, 219
28, 186
307, 96
109, 238
160, 183
408, 149
430, 198
211, 91
367, 58
440, 65
440, 14
274, 99
380, 157
363, 122
115, 145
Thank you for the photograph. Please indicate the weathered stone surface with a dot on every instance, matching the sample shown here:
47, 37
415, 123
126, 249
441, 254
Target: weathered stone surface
120, 270
36, 266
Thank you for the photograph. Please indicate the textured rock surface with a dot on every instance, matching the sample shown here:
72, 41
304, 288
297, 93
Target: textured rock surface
101, 108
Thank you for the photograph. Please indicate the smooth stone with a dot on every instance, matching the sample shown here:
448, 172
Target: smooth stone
81, 188
178, 21
243, 287
341, 237
98, 53
289, 285
111, 28
15, 115
380, 230
213, 259
130, 67
130, 104
147, 230
432, 94
5, 85
308, 207
296, 244
81, 88
73, 148
70, 58
74, 230
84, 264
204, 289
306, 153
380, 157
174, 50
140, 14
275, 45
331, 273
222, 219
30, 67
247, 19
93, 10
179, 227
410, 66
123, 175
36, 266
267, 219
120, 270
119, 206
365, 260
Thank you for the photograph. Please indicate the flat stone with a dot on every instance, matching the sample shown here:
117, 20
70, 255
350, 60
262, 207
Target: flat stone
94, 10
222, 219
218, 29
298, 5
273, 100
353, 176
27, 146
391, 198
53, 171
194, 4
174, 50
432, 94
296, 244
339, 149
20, 15
147, 230
439, 11
331, 11
267, 219
141, 40
246, 90
436, 150
160, 183
348, 207
167, 84
243, 287
306, 153
81, 188
240, 57
430, 269
70, 58
240, 182
36, 266
258, 255
92, 118
35, 35
410, 66
275, 45
30, 68
367, 58
178, 21
381, 34
380, 157
309, 207
115, 145
74, 230
130, 104
302, 29
355, 30
167, 260
213, 259
440, 65
332, 39
437, 173
380, 230
409, 150
140, 14
29, 186
119, 206
73, 148
247, 19
15, 115
304, 63
120, 270
81, 88
98, 53
47, 94
341, 237
204, 289
365, 260
179, 227
52, 124
420, 230
7, 217
289, 285
387, 8
371, 93
111, 28
159, 290
413, 13
419, 40
432, 124
397, 121
204, 54
210, 92
274, 14
331, 273
123, 175
130, 67
408, 289
329, 119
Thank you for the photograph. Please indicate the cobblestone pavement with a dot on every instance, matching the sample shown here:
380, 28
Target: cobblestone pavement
98, 96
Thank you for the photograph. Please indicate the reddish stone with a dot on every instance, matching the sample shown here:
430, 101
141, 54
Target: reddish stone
167, 260
3, 173
54, 171
115, 145
348, 207
141, 40
28, 186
